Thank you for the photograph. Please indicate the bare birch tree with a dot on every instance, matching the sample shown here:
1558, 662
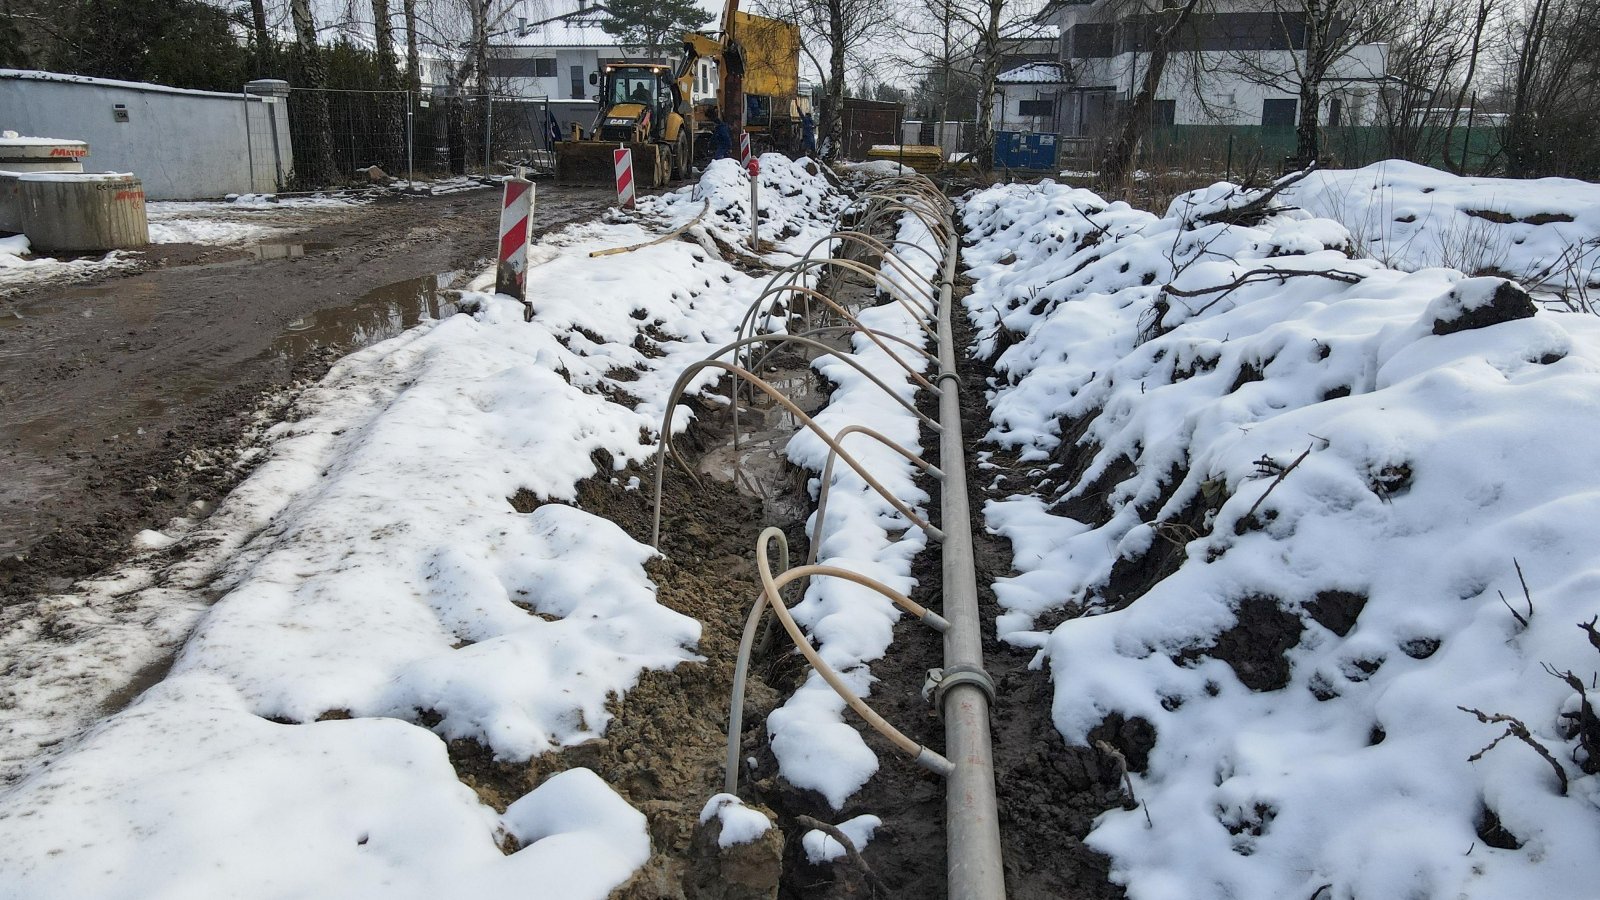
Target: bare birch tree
314, 159
1314, 38
1165, 23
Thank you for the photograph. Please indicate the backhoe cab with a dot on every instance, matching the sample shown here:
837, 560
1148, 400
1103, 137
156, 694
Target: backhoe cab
642, 107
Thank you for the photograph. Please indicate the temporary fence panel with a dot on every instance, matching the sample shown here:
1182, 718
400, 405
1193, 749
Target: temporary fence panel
340, 134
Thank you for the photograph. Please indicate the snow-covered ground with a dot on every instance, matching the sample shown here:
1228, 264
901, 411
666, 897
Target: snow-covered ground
851, 625
1544, 232
244, 219
1268, 499
248, 218
19, 267
373, 568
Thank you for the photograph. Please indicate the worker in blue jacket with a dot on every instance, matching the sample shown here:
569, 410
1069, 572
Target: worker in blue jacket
721, 137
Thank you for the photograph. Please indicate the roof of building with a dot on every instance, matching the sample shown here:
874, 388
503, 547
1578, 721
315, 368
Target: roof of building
555, 23
1035, 73
583, 28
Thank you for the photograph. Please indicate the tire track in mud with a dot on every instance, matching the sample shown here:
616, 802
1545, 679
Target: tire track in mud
105, 415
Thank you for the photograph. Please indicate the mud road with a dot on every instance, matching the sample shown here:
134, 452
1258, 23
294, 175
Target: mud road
123, 400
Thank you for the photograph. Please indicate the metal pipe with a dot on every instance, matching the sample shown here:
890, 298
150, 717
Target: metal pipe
972, 816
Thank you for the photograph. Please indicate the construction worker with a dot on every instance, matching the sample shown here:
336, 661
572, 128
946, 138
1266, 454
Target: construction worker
721, 137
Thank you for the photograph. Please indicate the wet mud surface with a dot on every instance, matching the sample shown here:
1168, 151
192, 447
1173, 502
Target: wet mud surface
123, 401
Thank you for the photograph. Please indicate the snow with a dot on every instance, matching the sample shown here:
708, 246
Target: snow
234, 804
1425, 468
821, 847
245, 218
12, 139
18, 268
372, 566
852, 625
74, 177
1411, 217
1034, 73
739, 824
13, 249
878, 168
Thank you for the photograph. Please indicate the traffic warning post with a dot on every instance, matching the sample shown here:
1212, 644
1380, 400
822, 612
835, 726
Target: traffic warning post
623, 158
516, 209
744, 149
754, 168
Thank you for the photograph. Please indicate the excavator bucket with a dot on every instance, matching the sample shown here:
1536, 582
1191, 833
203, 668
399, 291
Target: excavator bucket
591, 162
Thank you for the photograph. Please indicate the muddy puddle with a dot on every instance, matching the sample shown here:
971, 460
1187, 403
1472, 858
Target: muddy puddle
376, 316
755, 463
136, 301
286, 250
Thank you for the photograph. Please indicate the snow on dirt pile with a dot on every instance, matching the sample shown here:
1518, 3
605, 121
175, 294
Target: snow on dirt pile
1545, 231
798, 205
851, 625
1267, 499
19, 268
380, 595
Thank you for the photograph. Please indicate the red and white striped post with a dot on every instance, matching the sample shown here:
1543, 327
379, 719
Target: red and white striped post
754, 168
516, 209
744, 149
622, 158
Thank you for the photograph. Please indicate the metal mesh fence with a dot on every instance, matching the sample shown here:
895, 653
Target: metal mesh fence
339, 134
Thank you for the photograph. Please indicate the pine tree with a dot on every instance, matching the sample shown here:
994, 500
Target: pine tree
652, 26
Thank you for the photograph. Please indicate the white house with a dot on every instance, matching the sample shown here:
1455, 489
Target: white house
549, 48
1237, 66
1025, 98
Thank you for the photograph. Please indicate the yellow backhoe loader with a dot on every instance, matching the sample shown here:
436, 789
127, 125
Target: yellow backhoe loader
644, 107
647, 107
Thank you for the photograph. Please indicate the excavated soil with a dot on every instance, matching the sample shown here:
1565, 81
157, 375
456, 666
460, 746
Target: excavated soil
663, 751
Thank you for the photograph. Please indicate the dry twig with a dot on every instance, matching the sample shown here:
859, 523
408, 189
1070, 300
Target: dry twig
833, 831
1515, 728
1257, 207
1275, 482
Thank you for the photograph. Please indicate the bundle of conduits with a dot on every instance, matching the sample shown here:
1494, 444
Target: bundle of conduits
964, 691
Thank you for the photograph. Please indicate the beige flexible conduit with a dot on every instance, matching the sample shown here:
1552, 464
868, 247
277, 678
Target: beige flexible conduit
964, 689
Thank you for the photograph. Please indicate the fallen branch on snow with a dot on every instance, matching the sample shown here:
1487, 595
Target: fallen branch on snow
1515, 728
850, 851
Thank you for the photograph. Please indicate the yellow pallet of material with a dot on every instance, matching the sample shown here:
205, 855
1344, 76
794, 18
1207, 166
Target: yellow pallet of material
922, 157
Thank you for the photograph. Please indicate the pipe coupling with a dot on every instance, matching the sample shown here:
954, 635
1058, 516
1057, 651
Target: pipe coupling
940, 681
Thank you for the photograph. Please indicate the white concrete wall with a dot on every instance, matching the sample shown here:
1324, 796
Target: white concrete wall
1210, 91
184, 145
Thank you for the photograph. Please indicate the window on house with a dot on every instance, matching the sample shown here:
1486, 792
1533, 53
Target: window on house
1335, 112
521, 67
1091, 40
1278, 112
577, 82
1035, 107
1163, 112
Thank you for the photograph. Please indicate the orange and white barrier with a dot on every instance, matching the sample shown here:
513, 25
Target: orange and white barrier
622, 158
516, 209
